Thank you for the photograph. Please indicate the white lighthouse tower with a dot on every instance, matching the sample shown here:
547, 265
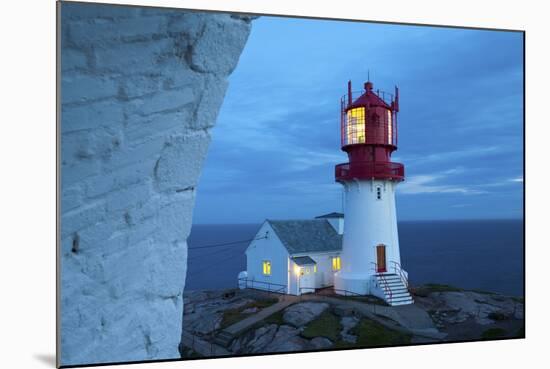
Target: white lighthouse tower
370, 259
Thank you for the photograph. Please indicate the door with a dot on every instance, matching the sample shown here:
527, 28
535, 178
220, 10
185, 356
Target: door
381, 258
307, 279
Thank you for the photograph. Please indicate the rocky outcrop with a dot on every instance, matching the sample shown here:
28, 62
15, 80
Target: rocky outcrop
299, 315
348, 323
483, 308
271, 338
140, 89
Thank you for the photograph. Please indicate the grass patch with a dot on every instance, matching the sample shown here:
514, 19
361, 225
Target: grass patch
371, 333
232, 316
521, 332
483, 292
520, 300
275, 318
493, 333
326, 325
499, 316
434, 287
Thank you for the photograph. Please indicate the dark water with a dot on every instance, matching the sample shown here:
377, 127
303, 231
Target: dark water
485, 255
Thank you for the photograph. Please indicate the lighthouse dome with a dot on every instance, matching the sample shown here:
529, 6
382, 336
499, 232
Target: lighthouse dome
369, 98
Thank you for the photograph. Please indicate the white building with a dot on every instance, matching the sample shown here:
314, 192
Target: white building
294, 256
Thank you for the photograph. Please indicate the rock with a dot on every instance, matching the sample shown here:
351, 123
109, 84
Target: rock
204, 310
140, 90
457, 307
270, 338
320, 343
286, 339
300, 314
250, 310
348, 323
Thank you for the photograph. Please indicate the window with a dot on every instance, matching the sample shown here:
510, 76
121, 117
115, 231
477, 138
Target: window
355, 126
307, 270
379, 193
315, 268
336, 263
267, 267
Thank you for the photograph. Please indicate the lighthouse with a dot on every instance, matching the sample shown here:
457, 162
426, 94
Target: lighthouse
370, 258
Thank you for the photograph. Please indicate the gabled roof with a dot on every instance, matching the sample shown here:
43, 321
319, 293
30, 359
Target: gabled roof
303, 260
300, 236
330, 215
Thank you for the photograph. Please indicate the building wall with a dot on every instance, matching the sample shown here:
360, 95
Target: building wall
325, 275
140, 89
369, 222
337, 224
270, 249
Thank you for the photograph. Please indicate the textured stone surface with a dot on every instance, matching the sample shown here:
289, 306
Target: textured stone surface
140, 88
320, 343
271, 338
458, 307
348, 323
299, 315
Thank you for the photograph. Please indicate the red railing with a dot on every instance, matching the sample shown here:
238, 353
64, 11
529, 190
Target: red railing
369, 170
399, 271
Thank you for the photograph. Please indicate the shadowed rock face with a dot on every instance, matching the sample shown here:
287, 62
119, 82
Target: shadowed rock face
140, 89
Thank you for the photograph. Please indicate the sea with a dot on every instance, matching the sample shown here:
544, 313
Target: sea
482, 255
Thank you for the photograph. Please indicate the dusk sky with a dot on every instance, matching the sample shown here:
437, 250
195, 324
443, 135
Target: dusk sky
276, 140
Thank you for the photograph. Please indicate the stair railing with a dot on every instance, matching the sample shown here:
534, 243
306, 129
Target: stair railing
399, 271
385, 284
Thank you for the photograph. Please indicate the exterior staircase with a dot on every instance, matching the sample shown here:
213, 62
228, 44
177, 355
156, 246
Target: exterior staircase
395, 289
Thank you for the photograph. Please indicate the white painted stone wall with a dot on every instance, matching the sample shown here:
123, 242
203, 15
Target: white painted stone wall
140, 90
369, 222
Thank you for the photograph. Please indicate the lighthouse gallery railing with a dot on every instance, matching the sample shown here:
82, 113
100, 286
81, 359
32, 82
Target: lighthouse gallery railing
366, 170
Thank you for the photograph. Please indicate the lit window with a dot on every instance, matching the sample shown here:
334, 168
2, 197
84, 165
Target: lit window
379, 193
267, 267
355, 125
315, 268
336, 263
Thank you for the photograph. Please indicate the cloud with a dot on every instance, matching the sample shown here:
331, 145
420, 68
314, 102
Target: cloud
306, 159
427, 183
517, 179
457, 154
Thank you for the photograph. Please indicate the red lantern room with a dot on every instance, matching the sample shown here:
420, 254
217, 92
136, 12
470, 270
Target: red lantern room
368, 126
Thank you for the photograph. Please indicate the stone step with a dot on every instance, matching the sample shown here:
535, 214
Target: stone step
398, 294
402, 302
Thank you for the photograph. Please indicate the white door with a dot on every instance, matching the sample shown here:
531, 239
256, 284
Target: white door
306, 279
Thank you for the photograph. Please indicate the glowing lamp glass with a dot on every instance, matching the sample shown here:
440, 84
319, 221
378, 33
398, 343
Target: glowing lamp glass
355, 126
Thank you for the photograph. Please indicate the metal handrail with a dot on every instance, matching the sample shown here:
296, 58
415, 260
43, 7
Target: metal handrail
281, 289
305, 288
366, 169
387, 97
346, 292
386, 285
399, 271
